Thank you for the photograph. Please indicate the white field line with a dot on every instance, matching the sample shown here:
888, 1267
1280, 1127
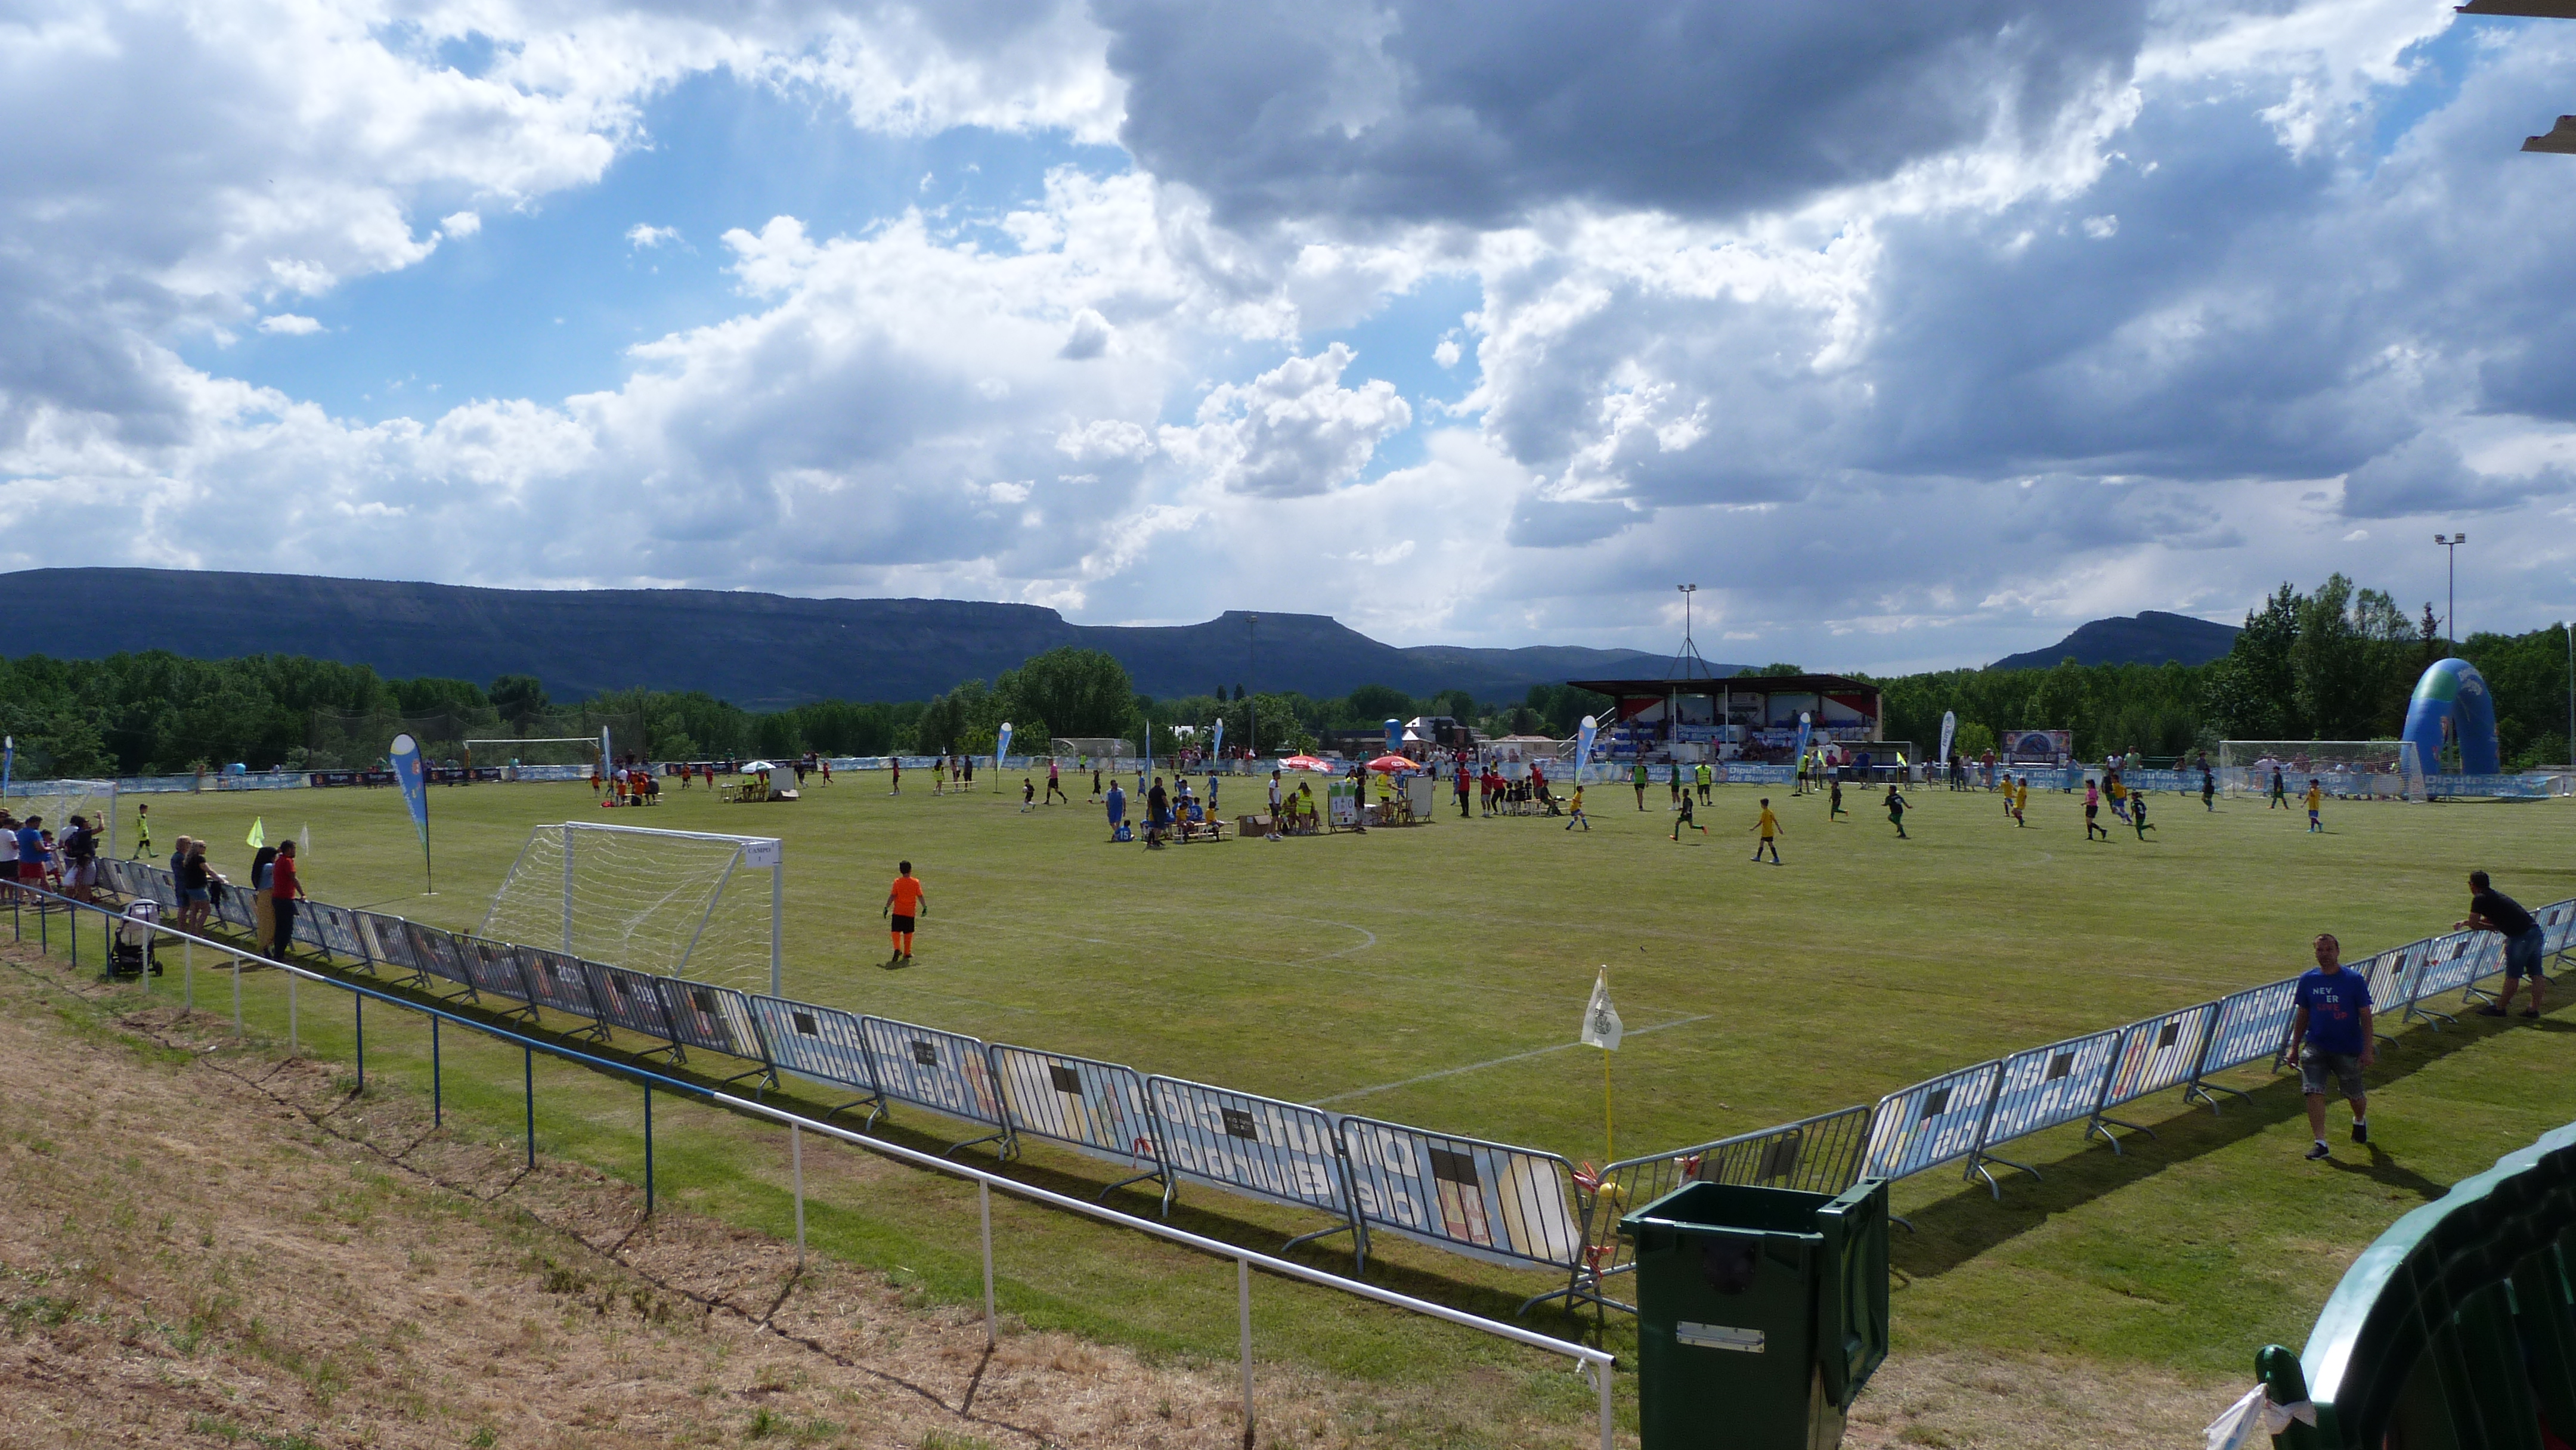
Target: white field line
1493, 1062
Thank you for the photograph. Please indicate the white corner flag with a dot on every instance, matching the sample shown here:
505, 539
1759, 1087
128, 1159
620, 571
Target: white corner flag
1601, 1027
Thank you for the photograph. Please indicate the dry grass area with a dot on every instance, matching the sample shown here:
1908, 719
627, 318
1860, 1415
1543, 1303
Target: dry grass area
203, 1242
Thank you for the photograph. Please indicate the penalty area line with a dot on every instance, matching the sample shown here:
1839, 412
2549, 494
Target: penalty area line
1493, 1062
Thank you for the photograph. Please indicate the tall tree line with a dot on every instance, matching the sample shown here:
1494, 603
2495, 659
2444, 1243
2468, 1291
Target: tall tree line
2336, 662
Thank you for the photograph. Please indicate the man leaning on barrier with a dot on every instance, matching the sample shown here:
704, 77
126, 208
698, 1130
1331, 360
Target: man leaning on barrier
2524, 941
2330, 1039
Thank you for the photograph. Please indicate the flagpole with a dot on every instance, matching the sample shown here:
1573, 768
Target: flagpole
1609, 1138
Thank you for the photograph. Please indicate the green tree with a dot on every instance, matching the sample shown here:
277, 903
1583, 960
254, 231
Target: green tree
1777, 671
519, 696
1067, 691
1370, 704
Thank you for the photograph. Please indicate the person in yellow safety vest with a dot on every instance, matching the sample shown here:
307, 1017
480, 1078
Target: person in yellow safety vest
1706, 778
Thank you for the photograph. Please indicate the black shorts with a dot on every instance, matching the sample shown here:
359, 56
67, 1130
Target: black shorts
903, 923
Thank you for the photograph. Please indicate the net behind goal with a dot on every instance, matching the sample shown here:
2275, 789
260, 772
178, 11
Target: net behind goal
674, 903
57, 801
2345, 768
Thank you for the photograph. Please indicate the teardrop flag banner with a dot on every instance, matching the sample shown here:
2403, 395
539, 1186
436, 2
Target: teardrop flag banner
407, 774
1002, 745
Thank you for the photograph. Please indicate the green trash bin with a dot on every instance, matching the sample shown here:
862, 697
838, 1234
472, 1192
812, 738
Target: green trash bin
1760, 1313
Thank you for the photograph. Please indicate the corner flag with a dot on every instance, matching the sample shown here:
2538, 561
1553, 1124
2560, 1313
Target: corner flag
258, 836
1601, 1026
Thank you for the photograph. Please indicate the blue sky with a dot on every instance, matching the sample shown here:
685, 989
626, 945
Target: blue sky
1915, 336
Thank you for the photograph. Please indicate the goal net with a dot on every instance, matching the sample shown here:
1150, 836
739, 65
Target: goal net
1091, 747
674, 903
57, 801
2345, 768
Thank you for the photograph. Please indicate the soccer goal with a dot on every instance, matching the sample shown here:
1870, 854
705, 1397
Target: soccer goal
674, 903
60, 800
2345, 768
582, 750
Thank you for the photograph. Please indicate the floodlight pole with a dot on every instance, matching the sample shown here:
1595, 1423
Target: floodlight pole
2451, 601
1252, 700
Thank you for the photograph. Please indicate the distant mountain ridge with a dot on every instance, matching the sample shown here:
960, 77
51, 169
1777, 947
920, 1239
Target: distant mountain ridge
2149, 638
761, 651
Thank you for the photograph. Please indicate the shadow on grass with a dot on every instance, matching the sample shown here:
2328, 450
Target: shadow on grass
1952, 1230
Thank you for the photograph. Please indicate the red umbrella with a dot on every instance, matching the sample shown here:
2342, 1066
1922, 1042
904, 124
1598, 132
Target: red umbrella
1392, 764
1307, 762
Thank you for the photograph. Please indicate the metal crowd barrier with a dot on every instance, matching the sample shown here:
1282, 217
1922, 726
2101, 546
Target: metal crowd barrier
1495, 1202
1597, 1363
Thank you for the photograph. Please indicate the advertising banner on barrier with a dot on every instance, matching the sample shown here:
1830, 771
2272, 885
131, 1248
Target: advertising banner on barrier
943, 1071
558, 981
494, 968
823, 1043
2157, 1053
2391, 975
387, 940
339, 932
2046, 1086
1096, 1107
1930, 1123
2250, 1026
2458, 961
1284, 1152
438, 953
2559, 920
1485, 1200
233, 908
630, 999
715, 1018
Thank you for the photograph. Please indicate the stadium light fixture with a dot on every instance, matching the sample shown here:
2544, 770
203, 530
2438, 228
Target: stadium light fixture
2451, 600
1251, 699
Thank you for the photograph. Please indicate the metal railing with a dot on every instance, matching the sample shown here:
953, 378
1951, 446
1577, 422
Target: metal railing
1597, 1364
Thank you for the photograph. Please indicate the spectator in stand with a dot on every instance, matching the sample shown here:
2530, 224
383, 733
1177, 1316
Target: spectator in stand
2524, 943
8, 856
284, 891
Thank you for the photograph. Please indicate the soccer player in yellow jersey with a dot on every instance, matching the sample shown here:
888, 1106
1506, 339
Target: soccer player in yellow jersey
1576, 814
1769, 829
2020, 800
2316, 803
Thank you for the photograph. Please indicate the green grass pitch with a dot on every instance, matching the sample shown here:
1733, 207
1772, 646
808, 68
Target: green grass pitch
1435, 975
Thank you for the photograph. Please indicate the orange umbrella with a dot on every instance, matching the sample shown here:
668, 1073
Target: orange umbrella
1392, 764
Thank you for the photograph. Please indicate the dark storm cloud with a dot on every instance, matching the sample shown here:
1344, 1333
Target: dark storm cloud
1435, 110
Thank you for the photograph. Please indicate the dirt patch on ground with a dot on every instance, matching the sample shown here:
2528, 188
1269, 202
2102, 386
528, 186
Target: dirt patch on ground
205, 1243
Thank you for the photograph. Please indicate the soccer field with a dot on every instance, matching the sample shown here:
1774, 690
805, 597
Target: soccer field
1434, 976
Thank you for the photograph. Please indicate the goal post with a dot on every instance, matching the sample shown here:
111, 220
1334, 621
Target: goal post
2344, 768
672, 903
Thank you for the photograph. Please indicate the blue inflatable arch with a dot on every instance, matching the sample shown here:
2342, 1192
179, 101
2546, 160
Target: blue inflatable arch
2452, 704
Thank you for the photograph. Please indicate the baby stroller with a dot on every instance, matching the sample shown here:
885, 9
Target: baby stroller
135, 949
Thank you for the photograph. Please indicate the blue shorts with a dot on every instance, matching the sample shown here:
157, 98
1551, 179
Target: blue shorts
191, 898
2522, 955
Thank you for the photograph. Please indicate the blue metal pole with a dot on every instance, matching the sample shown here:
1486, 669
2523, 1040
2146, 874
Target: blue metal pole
648, 1150
528, 1066
361, 1005
437, 1108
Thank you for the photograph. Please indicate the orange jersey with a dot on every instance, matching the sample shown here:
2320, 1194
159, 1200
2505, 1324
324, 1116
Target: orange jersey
907, 896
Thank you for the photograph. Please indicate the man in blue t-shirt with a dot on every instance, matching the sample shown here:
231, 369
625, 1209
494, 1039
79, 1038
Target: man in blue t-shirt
2330, 1036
